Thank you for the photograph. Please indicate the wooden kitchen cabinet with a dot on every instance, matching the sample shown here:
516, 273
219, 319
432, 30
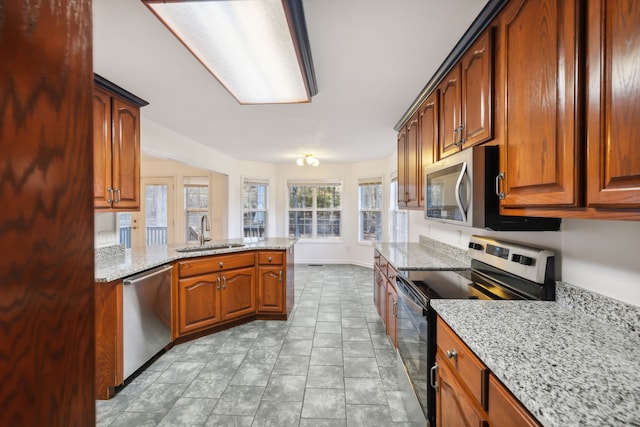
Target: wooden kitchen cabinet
385, 295
417, 148
116, 147
108, 339
215, 289
613, 107
537, 70
271, 282
466, 96
392, 313
467, 393
454, 406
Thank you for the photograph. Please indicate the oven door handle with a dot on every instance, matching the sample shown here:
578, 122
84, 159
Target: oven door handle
406, 298
459, 184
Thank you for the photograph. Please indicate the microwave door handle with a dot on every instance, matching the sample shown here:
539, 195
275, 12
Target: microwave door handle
463, 172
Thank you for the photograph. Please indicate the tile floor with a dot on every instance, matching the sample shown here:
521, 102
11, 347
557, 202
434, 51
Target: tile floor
330, 364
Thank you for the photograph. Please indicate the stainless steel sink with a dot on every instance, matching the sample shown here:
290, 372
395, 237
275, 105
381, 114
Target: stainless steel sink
213, 247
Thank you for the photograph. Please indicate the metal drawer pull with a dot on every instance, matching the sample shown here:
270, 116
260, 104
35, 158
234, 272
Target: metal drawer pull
432, 376
280, 276
269, 259
218, 280
110, 191
224, 282
220, 264
452, 354
499, 193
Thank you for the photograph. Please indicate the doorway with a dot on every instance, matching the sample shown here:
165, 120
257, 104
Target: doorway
154, 224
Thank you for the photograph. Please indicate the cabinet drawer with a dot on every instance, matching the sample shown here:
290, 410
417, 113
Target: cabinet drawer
212, 264
505, 410
271, 257
470, 369
384, 264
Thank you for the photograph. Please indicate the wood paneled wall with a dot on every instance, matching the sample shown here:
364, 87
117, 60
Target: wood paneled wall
46, 221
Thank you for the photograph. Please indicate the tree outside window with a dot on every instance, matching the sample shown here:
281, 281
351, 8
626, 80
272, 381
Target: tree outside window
315, 210
370, 209
254, 208
196, 204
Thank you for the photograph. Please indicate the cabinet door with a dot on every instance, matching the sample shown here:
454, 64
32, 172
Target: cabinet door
238, 296
477, 90
613, 109
271, 289
392, 314
413, 163
505, 410
454, 407
450, 117
126, 155
198, 299
540, 156
101, 149
402, 168
428, 125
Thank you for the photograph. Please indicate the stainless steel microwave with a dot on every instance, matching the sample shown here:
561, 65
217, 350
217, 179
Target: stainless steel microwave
460, 189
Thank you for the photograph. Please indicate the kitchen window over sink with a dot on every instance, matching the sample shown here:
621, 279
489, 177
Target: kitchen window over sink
255, 196
196, 204
315, 209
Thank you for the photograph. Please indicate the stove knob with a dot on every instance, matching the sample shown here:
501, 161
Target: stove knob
521, 259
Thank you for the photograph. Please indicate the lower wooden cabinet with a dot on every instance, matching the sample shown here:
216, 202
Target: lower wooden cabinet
238, 295
392, 313
467, 393
271, 290
108, 339
454, 406
385, 295
198, 302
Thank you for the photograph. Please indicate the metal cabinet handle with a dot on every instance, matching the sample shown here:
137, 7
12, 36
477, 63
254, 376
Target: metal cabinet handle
280, 276
432, 376
452, 354
460, 140
218, 280
110, 191
499, 193
395, 309
117, 191
269, 259
224, 282
220, 264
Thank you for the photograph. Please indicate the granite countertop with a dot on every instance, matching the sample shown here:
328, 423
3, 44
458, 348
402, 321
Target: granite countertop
429, 254
116, 262
567, 367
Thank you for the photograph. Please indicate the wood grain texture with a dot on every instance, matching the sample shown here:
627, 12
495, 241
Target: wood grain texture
428, 125
46, 228
542, 154
108, 302
613, 107
450, 114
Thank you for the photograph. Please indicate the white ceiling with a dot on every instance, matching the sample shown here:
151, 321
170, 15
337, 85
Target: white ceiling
371, 58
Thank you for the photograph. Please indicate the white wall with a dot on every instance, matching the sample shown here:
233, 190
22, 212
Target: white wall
601, 256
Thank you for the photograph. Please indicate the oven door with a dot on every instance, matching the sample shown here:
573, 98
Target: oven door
412, 335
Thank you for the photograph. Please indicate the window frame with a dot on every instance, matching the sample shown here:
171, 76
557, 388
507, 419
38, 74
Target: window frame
315, 184
362, 182
256, 181
192, 182
395, 213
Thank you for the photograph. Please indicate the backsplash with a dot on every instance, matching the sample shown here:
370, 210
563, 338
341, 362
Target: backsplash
446, 249
601, 307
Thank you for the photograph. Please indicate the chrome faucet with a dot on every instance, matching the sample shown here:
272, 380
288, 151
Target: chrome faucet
204, 225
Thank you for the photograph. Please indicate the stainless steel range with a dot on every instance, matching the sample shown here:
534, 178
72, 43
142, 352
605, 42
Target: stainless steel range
500, 270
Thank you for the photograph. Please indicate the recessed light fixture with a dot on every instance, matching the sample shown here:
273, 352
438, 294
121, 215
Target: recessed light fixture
257, 49
308, 159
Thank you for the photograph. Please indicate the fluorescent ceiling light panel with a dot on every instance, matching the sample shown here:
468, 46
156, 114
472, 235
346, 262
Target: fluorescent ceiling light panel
246, 44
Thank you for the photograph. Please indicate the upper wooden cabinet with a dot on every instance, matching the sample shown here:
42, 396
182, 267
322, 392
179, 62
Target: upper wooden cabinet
538, 68
417, 144
613, 104
466, 96
116, 147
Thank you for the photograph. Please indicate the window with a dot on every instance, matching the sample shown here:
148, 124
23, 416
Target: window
315, 210
254, 208
196, 204
370, 209
397, 217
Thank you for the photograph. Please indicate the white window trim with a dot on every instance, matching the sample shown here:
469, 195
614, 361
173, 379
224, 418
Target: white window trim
267, 182
367, 181
317, 183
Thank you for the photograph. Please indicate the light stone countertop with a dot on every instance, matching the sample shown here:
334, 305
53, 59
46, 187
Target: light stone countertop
115, 263
429, 254
567, 367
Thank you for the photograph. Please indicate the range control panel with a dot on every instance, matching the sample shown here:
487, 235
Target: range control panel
521, 260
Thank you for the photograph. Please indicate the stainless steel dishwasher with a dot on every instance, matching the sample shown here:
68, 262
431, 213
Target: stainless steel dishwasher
146, 316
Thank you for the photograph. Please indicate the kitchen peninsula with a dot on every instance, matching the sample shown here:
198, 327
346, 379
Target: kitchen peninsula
213, 287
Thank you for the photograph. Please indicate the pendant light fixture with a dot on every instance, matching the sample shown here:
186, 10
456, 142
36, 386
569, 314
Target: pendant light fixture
257, 49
